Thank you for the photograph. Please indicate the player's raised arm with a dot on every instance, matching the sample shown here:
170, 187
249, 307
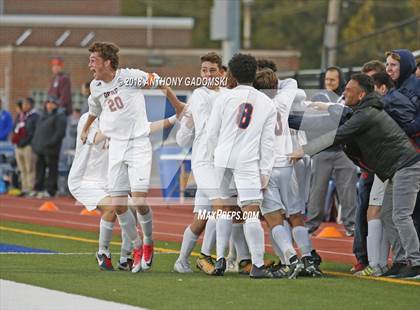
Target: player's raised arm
178, 105
162, 124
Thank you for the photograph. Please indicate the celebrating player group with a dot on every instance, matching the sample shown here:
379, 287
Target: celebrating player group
240, 140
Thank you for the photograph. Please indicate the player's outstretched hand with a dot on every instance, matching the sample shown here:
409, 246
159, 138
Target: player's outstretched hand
296, 155
319, 106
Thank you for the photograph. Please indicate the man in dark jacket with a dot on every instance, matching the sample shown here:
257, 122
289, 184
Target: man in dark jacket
60, 86
49, 133
23, 134
374, 140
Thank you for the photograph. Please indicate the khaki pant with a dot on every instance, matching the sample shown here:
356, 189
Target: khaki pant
26, 160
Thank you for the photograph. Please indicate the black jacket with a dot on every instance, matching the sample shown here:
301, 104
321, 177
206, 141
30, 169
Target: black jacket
49, 133
372, 139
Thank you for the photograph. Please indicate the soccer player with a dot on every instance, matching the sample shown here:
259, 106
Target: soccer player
278, 202
193, 131
117, 98
241, 139
87, 183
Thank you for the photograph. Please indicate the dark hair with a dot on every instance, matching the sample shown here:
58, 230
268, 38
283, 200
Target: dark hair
212, 57
30, 100
373, 65
87, 85
224, 68
365, 82
383, 78
265, 63
341, 79
243, 68
107, 51
266, 81
19, 103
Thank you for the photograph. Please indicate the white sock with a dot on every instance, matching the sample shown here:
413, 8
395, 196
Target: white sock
105, 236
280, 236
289, 230
188, 243
232, 249
301, 237
239, 241
128, 226
254, 234
209, 238
383, 250
126, 247
223, 232
277, 250
373, 242
146, 223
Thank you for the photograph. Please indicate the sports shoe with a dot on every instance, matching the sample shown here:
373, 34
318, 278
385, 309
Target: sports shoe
245, 265
310, 268
125, 266
104, 262
220, 267
395, 269
263, 273
205, 264
231, 265
296, 266
280, 270
147, 259
137, 256
44, 194
372, 271
316, 258
182, 266
350, 232
358, 267
409, 272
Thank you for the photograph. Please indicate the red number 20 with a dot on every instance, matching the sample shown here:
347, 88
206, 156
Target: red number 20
115, 104
244, 115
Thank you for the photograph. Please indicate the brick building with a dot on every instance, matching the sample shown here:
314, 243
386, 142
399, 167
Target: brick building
31, 32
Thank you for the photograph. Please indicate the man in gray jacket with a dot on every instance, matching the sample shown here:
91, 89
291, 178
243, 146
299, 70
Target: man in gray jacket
375, 141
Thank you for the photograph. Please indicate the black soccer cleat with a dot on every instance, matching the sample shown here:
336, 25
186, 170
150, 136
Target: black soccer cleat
220, 267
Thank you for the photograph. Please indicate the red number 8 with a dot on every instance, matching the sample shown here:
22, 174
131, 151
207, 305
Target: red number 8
244, 115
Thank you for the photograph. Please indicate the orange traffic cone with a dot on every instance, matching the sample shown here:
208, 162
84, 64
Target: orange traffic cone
49, 206
330, 232
91, 213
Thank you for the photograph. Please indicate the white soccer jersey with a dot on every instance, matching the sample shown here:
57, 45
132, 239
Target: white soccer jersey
299, 104
121, 104
241, 129
90, 162
199, 107
283, 102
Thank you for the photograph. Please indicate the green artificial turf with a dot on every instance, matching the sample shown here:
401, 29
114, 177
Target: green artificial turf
161, 288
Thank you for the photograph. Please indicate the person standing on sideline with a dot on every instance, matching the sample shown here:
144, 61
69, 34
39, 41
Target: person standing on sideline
60, 86
6, 123
46, 143
332, 162
23, 133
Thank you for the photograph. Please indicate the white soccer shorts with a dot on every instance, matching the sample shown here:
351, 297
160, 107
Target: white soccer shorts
130, 163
